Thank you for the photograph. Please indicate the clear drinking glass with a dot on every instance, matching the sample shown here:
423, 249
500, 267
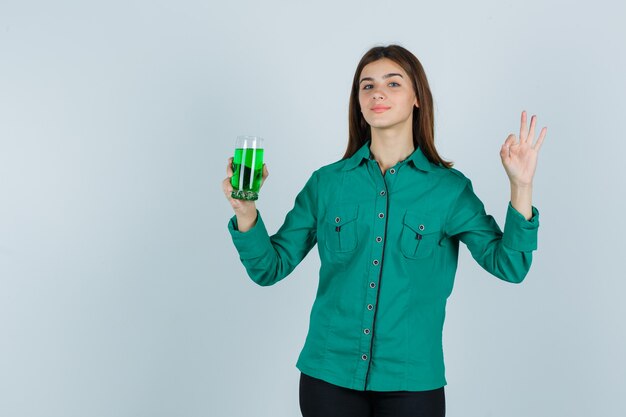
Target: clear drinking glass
247, 168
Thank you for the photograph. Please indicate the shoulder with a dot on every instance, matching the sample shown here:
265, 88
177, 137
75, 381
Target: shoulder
451, 177
457, 175
325, 174
330, 170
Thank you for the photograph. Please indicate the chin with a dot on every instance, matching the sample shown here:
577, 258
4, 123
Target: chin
377, 122
382, 125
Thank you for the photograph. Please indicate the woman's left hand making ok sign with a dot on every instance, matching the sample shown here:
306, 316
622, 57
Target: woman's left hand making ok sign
520, 157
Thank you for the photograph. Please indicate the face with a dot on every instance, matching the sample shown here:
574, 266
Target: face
386, 94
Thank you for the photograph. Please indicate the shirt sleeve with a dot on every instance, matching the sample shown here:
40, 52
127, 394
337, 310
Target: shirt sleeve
268, 259
507, 255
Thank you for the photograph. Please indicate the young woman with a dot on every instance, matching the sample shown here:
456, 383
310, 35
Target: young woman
388, 218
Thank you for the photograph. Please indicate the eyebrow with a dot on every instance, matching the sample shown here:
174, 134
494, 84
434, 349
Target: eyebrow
384, 76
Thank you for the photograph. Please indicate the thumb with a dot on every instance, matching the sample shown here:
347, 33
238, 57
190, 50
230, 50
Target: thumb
265, 171
504, 151
265, 174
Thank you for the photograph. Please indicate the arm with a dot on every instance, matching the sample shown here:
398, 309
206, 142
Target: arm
269, 259
507, 255
521, 199
520, 161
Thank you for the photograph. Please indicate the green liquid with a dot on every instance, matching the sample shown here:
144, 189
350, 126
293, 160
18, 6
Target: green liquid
247, 173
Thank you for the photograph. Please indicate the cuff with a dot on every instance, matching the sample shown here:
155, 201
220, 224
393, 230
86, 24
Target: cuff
520, 234
253, 243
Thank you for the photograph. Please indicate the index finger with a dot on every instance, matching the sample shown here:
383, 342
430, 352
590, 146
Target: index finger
523, 131
229, 167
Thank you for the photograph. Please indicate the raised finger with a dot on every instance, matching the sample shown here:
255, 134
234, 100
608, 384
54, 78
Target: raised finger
523, 130
531, 131
542, 135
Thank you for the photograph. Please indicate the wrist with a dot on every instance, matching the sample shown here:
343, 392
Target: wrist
246, 221
521, 199
521, 185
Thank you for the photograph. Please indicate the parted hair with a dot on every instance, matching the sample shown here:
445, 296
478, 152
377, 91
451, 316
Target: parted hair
423, 116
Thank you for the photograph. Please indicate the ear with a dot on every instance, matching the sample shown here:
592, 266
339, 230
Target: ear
416, 103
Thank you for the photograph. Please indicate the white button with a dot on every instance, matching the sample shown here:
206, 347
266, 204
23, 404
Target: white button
372, 284
421, 227
366, 331
382, 192
381, 215
337, 219
392, 171
379, 239
375, 261
364, 357
369, 306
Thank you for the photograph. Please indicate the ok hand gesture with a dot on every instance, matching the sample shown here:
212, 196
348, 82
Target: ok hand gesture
520, 158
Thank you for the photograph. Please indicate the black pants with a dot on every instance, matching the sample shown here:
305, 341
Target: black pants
321, 399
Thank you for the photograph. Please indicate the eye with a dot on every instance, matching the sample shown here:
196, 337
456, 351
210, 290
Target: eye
366, 86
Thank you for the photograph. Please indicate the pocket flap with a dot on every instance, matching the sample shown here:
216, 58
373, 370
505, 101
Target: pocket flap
340, 215
422, 223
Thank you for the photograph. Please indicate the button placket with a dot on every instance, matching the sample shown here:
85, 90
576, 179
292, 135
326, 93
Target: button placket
379, 229
374, 277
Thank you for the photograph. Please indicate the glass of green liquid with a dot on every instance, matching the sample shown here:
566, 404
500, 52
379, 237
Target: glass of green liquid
247, 168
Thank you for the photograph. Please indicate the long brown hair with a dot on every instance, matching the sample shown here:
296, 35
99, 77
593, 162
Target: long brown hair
423, 116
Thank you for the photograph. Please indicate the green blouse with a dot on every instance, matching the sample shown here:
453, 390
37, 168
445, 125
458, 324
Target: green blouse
389, 249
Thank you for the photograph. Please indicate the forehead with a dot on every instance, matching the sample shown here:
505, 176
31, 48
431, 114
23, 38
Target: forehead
381, 67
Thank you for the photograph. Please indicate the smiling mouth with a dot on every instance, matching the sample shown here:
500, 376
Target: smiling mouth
380, 109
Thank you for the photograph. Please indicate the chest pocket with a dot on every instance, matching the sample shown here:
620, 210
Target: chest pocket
420, 235
340, 228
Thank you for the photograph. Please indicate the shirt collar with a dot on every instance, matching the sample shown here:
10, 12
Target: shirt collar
417, 158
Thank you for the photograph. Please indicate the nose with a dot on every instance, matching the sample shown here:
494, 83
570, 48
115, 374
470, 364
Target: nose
377, 94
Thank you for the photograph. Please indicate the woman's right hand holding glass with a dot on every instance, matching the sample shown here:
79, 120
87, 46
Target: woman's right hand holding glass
245, 210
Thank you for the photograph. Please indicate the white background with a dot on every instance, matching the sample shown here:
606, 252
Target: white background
121, 293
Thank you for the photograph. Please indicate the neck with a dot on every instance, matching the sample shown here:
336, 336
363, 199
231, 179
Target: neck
389, 147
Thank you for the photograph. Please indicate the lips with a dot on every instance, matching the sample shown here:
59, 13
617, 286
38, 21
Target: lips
380, 109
